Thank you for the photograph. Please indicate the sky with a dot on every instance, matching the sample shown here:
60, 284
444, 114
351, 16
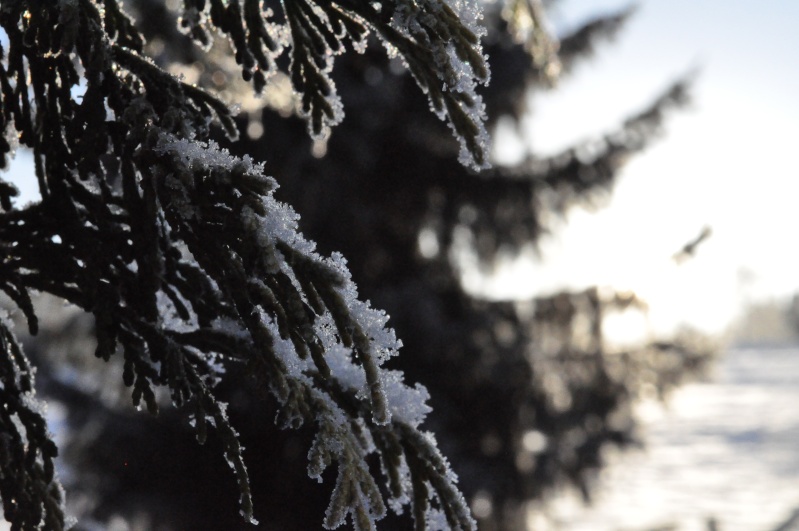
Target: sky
727, 162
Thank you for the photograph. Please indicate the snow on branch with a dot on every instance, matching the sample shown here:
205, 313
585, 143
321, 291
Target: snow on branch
438, 41
188, 262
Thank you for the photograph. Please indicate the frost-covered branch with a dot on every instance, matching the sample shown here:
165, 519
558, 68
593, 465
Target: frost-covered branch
188, 262
438, 41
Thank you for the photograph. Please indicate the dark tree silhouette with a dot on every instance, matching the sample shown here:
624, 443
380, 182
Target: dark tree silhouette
203, 293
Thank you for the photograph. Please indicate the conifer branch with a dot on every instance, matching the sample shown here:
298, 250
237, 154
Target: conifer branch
184, 257
511, 215
581, 43
439, 42
31, 494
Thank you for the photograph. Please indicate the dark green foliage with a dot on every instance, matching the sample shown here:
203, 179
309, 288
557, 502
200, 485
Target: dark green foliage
497, 370
162, 236
179, 250
32, 497
423, 37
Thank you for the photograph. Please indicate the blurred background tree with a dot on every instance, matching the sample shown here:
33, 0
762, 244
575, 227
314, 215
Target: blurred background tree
527, 395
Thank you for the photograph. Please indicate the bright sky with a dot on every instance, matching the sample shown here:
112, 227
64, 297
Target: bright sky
728, 162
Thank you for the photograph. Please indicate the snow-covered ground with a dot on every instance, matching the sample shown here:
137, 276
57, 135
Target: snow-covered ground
727, 449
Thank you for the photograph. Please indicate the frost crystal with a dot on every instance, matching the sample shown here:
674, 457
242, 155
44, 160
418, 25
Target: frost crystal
197, 155
277, 226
